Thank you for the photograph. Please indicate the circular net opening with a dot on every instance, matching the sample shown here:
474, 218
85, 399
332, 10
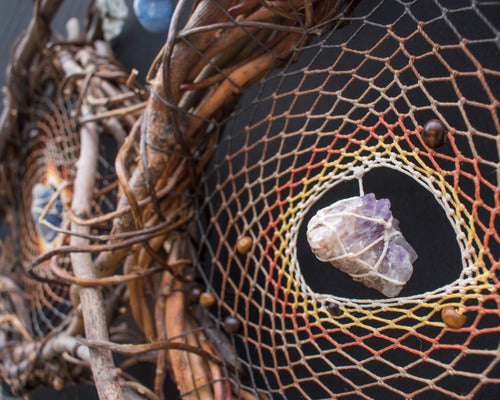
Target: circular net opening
422, 220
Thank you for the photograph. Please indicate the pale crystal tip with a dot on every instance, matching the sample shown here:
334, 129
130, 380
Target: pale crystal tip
360, 236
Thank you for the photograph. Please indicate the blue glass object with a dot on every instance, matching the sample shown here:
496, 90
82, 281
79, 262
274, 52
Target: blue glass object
154, 15
41, 195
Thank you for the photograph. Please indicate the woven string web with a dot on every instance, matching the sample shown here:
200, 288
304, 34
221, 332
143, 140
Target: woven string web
354, 103
50, 162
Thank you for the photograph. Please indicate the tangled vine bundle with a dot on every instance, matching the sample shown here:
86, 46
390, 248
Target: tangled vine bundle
166, 223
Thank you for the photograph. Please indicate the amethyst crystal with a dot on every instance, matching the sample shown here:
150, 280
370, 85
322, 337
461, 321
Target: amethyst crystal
360, 236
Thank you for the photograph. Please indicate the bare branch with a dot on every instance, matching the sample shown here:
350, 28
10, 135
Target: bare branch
93, 311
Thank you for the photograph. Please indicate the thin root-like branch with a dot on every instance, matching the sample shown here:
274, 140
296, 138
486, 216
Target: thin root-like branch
106, 281
134, 349
119, 112
14, 321
96, 248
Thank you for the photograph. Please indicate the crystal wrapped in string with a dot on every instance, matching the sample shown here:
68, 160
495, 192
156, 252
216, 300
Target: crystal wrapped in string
360, 236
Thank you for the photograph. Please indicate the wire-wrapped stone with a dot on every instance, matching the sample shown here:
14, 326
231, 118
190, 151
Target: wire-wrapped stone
41, 195
360, 236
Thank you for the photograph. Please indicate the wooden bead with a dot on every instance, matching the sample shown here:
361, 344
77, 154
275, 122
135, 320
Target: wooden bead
434, 133
334, 309
207, 299
452, 318
193, 295
58, 383
244, 244
232, 325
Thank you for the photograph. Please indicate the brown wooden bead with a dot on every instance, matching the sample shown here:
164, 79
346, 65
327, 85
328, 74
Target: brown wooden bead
244, 244
232, 325
207, 299
58, 383
434, 133
452, 318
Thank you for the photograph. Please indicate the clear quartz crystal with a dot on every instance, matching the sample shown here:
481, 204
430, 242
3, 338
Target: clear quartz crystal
360, 236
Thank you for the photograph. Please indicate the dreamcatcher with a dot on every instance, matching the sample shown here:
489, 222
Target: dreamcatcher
302, 203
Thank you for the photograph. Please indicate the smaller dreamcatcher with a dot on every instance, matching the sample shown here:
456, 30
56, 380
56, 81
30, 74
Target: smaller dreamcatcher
360, 236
